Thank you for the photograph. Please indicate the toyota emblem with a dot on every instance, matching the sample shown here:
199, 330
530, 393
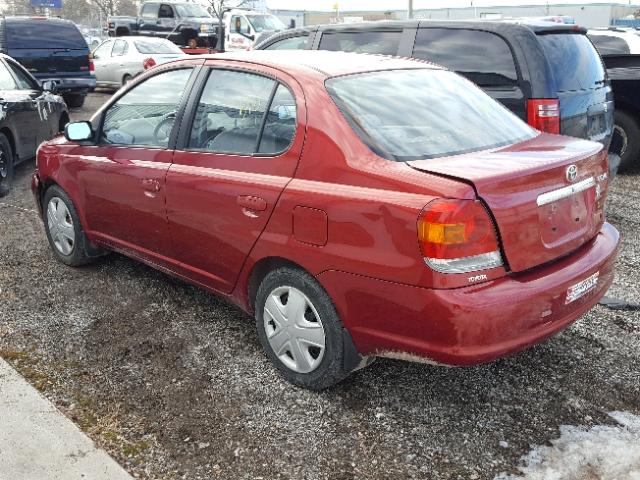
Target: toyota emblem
572, 173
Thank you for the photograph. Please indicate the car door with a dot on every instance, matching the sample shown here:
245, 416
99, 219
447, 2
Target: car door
148, 20
44, 118
166, 20
123, 174
118, 66
102, 62
20, 111
238, 149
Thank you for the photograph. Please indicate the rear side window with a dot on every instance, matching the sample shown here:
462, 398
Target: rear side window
482, 57
574, 61
44, 34
119, 48
291, 43
424, 113
385, 43
24, 81
608, 45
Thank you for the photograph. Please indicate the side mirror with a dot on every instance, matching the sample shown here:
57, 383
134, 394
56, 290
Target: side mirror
78, 131
50, 86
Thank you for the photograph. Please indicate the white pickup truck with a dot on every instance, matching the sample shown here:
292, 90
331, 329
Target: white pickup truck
244, 27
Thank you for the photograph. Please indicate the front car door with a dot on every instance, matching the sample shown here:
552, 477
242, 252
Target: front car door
118, 66
237, 150
166, 20
148, 21
123, 175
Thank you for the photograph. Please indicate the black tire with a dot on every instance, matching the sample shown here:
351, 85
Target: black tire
6, 165
126, 79
64, 119
74, 100
81, 251
330, 369
626, 141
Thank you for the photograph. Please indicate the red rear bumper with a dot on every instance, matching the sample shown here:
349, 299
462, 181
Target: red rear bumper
474, 324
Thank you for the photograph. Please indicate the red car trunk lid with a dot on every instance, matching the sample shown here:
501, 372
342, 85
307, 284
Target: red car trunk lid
546, 194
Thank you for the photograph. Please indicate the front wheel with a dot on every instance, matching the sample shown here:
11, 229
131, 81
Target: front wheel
6, 165
300, 330
64, 231
74, 100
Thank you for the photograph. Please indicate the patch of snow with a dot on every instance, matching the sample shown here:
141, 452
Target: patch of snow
601, 452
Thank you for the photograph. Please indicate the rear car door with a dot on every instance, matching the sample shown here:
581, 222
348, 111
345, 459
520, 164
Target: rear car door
483, 57
236, 153
102, 62
123, 175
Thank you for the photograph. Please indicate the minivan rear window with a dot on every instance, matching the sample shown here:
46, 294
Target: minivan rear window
424, 113
43, 34
574, 61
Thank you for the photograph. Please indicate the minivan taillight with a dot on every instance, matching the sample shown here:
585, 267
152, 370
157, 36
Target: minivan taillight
92, 67
458, 236
544, 114
148, 63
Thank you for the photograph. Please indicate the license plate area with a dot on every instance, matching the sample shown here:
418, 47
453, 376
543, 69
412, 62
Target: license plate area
582, 288
564, 219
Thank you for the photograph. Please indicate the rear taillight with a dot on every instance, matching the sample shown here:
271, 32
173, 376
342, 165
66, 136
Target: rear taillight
148, 63
92, 67
458, 236
544, 114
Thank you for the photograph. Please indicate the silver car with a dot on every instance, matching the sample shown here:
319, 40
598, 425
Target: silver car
118, 60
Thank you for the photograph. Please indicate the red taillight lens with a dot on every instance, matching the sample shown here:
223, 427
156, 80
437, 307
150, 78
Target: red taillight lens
458, 236
92, 67
148, 63
544, 114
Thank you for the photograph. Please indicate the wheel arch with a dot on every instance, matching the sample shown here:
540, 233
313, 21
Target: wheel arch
12, 141
259, 270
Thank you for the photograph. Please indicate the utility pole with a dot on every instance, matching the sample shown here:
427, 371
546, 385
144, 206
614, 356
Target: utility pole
410, 10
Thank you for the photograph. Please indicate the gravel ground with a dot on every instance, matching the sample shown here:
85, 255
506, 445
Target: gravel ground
173, 383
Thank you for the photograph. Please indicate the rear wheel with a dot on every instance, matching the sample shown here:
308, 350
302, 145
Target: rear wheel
64, 230
74, 100
299, 329
126, 79
6, 165
626, 140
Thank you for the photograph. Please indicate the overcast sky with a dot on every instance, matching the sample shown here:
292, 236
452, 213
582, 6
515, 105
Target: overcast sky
402, 4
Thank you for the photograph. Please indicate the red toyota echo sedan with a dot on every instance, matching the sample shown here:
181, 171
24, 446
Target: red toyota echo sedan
357, 205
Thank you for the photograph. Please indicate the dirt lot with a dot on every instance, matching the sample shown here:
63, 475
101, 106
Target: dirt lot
174, 384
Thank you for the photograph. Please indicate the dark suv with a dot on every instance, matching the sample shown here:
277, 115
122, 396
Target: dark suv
51, 49
548, 74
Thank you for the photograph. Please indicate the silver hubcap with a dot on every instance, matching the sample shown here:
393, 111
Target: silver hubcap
60, 226
294, 329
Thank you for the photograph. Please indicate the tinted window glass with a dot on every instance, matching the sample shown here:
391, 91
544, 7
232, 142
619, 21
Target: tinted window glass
482, 57
145, 114
292, 43
149, 45
120, 48
165, 11
416, 114
6, 80
149, 10
385, 43
24, 81
280, 124
608, 45
240, 24
574, 61
230, 112
44, 34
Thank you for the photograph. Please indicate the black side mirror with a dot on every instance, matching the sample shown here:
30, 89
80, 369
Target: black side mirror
78, 131
50, 86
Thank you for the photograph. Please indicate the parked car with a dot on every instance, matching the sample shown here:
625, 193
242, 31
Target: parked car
186, 24
444, 231
117, 61
29, 114
620, 51
547, 73
51, 49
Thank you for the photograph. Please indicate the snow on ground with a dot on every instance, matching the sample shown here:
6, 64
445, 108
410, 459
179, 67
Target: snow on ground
601, 452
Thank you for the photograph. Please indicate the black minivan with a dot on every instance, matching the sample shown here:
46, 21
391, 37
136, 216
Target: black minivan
548, 74
50, 49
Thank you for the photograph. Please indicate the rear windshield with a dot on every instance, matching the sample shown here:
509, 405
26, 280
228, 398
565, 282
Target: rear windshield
156, 46
574, 61
44, 34
424, 113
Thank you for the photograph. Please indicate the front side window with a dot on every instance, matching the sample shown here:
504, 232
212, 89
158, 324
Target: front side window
262, 23
482, 57
424, 113
145, 115
165, 11
240, 24
192, 10
384, 43
120, 48
24, 81
291, 43
6, 80
230, 117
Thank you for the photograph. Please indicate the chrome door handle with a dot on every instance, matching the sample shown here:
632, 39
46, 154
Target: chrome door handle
151, 185
251, 202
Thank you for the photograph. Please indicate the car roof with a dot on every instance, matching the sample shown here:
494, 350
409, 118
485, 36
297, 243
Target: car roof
34, 18
322, 62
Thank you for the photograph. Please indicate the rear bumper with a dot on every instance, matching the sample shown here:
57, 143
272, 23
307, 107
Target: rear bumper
72, 84
474, 324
